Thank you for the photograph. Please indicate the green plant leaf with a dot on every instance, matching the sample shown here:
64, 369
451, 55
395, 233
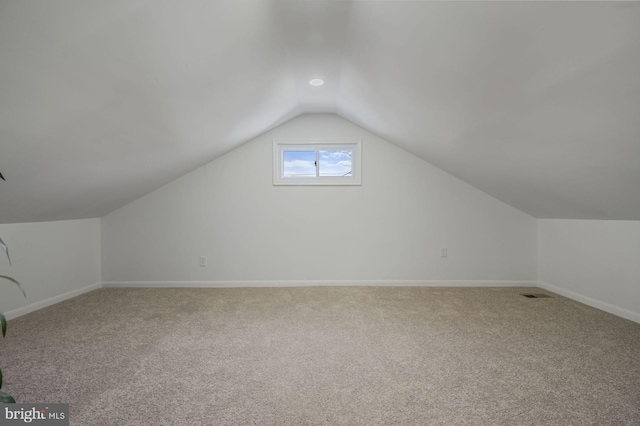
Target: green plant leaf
6, 398
4, 247
2, 177
3, 320
15, 282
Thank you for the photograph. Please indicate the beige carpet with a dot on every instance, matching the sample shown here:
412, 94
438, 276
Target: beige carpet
327, 356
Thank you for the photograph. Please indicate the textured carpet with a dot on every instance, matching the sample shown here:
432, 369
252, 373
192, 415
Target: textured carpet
326, 356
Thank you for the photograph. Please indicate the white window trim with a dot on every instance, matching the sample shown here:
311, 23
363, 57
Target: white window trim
279, 146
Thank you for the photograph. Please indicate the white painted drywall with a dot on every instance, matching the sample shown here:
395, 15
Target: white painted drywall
52, 260
596, 262
390, 228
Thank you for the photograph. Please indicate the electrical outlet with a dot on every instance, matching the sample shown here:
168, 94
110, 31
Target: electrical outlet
443, 252
203, 260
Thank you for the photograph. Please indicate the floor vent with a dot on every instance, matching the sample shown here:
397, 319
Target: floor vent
536, 296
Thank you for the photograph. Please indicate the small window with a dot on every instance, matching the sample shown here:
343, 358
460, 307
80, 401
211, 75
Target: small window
316, 162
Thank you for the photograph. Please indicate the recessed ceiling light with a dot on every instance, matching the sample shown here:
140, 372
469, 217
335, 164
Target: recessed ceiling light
316, 82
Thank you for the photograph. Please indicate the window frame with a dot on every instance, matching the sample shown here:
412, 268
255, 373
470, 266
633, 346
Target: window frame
317, 145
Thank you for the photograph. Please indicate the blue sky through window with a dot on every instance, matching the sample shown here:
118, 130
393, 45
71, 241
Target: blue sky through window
333, 163
317, 162
299, 163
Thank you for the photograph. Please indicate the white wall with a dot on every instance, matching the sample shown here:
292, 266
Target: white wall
52, 260
387, 231
596, 262
391, 228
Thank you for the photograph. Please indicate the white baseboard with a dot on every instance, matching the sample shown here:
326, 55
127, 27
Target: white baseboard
14, 313
321, 283
603, 306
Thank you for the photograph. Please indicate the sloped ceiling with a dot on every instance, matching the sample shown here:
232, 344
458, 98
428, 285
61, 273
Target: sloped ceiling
537, 104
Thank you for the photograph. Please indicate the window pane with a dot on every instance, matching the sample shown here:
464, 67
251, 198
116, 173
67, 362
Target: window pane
335, 163
299, 164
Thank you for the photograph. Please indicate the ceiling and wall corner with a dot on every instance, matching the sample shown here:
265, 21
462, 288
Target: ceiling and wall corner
534, 103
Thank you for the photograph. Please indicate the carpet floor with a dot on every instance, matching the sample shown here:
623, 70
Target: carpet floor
326, 356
